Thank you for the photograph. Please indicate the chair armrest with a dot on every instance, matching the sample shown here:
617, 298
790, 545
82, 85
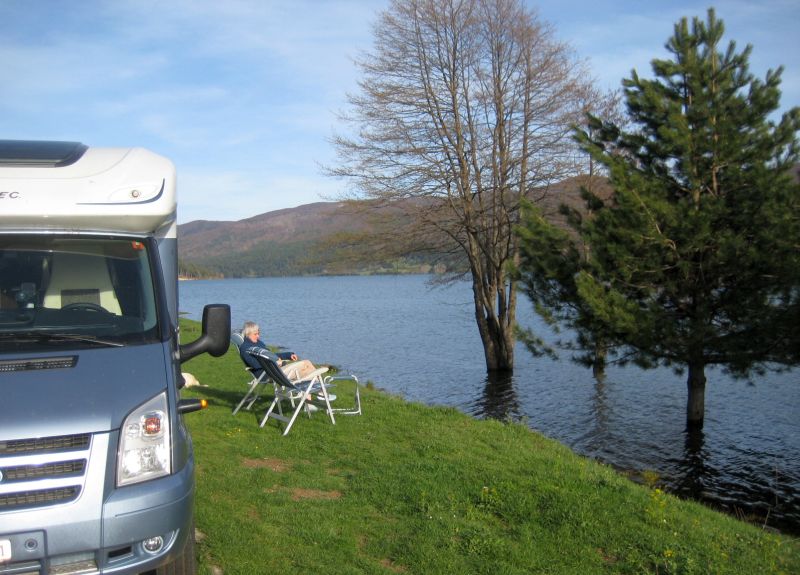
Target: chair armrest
313, 375
332, 378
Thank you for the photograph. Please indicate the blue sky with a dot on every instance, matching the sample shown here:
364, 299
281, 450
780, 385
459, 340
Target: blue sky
242, 95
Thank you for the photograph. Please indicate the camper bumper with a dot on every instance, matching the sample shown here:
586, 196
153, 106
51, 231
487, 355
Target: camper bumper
146, 525
142, 526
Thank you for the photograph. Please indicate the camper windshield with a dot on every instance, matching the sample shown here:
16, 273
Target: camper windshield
72, 291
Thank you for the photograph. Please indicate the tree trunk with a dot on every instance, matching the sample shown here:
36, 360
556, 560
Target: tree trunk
495, 325
500, 354
599, 360
695, 405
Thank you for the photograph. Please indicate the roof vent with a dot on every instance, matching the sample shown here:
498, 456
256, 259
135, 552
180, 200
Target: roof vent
28, 153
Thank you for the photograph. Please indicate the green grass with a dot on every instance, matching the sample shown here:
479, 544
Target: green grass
407, 488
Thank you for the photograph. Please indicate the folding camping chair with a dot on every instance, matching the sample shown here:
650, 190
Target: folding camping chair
257, 379
299, 393
331, 380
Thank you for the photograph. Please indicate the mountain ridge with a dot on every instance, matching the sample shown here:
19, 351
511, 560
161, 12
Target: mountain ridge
280, 242
328, 237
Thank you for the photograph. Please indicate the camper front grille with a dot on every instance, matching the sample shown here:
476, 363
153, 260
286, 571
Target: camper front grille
48, 470
45, 444
43, 471
28, 499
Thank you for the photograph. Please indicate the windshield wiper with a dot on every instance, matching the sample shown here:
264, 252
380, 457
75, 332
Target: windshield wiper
86, 338
56, 337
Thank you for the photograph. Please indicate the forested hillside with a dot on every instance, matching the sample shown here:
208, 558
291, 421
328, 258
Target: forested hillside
322, 238
318, 238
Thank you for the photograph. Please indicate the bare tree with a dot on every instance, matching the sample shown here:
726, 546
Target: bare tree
465, 107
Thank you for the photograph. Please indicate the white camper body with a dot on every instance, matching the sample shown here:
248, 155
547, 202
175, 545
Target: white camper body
113, 190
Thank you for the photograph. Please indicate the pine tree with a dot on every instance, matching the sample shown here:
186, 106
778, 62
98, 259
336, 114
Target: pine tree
695, 259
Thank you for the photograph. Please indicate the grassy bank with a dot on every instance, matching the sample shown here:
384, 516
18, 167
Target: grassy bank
407, 488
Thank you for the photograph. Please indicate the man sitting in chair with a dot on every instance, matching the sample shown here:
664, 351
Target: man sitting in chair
288, 362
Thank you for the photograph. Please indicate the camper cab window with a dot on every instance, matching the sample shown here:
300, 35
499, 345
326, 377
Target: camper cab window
75, 291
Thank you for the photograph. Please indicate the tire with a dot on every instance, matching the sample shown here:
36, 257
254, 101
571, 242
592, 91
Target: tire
185, 563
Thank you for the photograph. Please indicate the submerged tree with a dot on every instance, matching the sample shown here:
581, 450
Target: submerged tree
695, 258
465, 108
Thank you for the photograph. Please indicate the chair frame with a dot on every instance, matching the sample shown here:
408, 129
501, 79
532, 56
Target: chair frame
330, 380
299, 393
253, 391
288, 392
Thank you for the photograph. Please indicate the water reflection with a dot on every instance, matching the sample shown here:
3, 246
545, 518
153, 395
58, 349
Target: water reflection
693, 471
600, 404
499, 399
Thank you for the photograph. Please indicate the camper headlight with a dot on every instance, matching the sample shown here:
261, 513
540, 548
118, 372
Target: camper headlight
145, 443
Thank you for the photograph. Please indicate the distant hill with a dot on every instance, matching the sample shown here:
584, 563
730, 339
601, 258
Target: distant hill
295, 241
307, 240
203, 239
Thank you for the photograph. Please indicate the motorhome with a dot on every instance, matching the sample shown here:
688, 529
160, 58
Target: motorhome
96, 462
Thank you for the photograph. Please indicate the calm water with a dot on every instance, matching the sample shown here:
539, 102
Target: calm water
422, 343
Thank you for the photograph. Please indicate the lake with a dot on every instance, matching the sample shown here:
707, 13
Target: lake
422, 343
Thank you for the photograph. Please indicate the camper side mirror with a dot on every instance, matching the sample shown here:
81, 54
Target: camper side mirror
215, 338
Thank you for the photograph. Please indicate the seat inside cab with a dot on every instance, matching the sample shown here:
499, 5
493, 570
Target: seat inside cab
80, 278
